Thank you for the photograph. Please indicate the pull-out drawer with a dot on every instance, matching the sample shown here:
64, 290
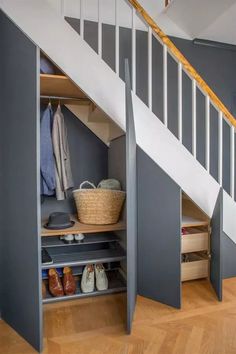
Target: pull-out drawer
195, 241
196, 268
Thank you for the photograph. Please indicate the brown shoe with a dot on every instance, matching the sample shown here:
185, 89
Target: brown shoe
69, 284
44, 290
55, 285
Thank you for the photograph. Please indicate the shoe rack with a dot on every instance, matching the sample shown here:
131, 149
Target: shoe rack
195, 242
100, 247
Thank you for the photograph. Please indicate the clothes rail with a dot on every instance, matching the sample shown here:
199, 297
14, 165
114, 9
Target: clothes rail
60, 98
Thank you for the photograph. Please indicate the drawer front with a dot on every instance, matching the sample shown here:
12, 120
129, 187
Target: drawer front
194, 270
195, 242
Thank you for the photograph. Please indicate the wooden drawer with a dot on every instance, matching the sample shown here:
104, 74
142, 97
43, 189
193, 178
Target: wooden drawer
195, 241
196, 268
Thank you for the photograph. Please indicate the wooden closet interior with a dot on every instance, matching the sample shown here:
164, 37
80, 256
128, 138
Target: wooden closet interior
93, 160
195, 242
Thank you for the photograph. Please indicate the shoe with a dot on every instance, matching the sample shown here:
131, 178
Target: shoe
46, 258
101, 277
69, 284
79, 238
68, 238
87, 282
55, 285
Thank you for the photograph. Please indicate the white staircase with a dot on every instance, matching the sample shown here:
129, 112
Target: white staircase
54, 36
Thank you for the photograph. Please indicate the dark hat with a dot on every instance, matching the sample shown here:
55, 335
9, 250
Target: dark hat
58, 221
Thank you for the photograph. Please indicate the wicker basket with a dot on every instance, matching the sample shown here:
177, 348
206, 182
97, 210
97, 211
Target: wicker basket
98, 206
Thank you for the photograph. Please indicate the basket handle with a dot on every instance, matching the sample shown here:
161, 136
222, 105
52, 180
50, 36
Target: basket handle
87, 182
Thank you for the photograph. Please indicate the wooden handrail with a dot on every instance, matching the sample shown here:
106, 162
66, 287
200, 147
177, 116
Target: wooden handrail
188, 67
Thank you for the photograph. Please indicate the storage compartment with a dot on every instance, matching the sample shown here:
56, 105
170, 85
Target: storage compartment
194, 240
197, 267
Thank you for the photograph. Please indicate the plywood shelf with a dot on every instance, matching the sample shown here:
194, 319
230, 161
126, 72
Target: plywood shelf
82, 228
189, 221
59, 85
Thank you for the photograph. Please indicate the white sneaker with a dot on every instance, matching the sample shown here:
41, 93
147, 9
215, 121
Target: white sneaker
67, 238
87, 282
79, 237
101, 277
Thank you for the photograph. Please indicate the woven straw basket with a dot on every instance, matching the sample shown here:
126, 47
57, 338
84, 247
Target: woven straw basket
98, 206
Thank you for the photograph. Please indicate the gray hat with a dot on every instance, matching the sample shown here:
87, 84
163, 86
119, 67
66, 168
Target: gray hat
58, 221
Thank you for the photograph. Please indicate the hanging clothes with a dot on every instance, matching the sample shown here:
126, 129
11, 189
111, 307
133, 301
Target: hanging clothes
47, 164
64, 180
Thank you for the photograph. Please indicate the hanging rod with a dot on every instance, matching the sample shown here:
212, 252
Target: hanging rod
65, 98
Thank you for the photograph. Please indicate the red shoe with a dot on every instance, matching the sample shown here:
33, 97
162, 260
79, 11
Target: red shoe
69, 284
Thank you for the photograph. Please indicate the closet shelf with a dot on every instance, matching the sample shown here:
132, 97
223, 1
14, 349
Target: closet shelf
85, 257
116, 285
82, 228
188, 221
89, 239
59, 85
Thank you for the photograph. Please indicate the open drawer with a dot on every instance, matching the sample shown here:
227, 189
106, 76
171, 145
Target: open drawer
196, 268
195, 240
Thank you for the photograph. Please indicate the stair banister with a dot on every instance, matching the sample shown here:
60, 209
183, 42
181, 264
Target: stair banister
136, 13
186, 65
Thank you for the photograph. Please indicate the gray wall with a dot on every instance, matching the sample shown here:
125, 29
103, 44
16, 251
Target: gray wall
89, 161
217, 67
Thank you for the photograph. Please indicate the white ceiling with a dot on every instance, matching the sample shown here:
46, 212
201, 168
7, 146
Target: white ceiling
211, 19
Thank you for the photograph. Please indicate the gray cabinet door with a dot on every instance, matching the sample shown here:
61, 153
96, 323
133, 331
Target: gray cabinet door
159, 230
216, 246
20, 241
131, 205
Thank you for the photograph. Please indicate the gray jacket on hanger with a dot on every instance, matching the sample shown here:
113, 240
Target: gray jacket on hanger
64, 180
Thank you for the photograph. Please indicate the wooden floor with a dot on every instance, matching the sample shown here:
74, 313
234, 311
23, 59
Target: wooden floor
96, 326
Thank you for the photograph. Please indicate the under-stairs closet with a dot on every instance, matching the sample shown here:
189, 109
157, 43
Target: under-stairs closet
99, 149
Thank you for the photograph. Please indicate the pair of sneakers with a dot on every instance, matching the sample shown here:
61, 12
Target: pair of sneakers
88, 278
72, 238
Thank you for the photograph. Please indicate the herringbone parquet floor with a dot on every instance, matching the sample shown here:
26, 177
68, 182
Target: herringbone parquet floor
96, 326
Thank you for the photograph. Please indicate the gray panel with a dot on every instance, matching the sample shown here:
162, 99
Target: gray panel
226, 157
216, 246
228, 257
142, 65
74, 22
90, 31
91, 34
125, 43
200, 126
187, 109
20, 251
214, 142
89, 161
108, 45
131, 203
157, 78
172, 81
159, 230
